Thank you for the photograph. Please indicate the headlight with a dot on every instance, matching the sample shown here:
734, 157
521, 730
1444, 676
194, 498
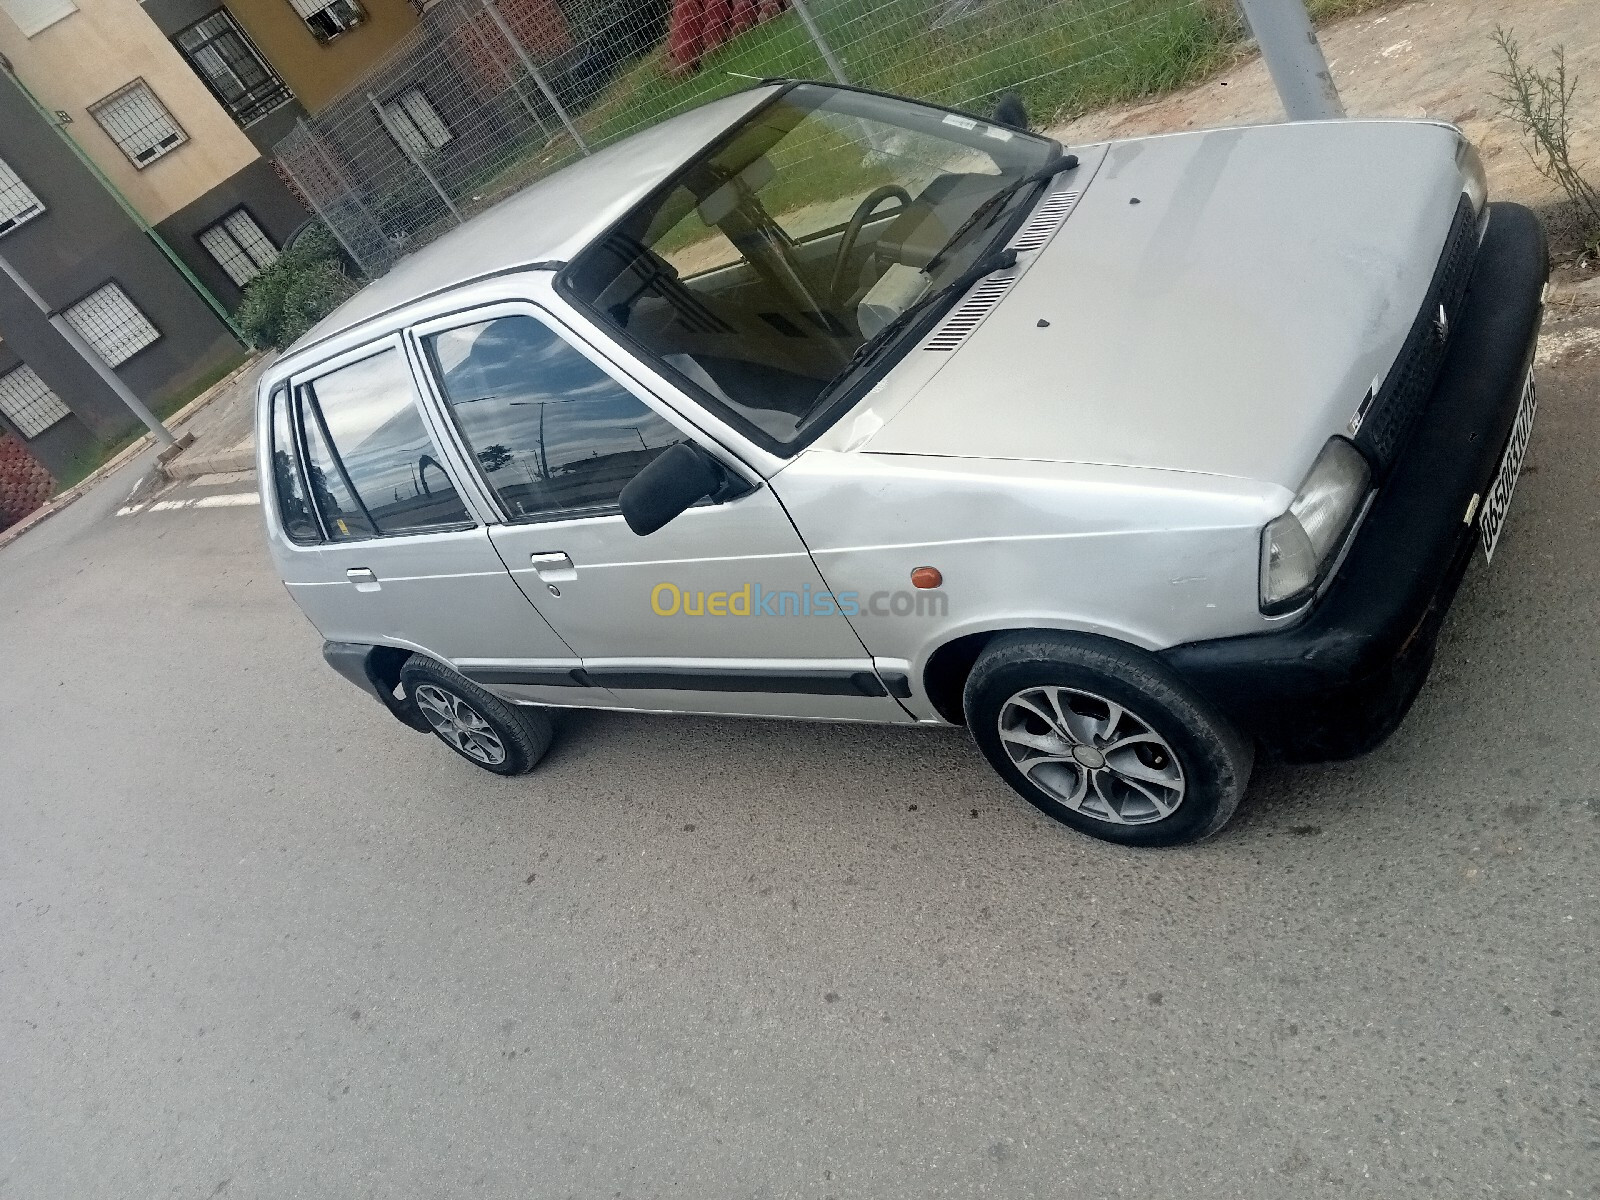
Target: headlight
1298, 547
1474, 182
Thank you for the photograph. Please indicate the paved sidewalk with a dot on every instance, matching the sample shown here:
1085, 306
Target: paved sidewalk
224, 431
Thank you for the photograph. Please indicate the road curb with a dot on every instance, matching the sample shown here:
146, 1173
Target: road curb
58, 502
188, 467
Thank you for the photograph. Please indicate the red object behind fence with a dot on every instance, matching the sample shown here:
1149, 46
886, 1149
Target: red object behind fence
700, 26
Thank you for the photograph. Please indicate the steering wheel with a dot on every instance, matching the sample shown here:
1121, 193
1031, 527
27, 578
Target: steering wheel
852, 233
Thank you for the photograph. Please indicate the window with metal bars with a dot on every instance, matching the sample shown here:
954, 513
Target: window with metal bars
28, 403
240, 246
136, 120
17, 201
415, 122
326, 20
227, 60
112, 323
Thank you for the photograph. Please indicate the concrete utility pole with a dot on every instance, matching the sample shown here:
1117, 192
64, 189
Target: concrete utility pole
112, 380
1282, 29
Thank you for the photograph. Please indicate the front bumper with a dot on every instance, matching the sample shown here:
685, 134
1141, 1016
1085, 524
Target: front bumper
1340, 680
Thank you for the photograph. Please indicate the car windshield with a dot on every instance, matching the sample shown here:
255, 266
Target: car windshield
759, 271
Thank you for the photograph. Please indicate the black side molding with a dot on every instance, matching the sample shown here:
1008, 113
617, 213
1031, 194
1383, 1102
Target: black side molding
529, 676
899, 685
806, 683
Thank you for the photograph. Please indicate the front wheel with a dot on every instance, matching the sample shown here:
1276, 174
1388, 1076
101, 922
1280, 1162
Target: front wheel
483, 729
1104, 738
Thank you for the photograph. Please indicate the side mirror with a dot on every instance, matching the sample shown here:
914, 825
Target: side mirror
1009, 110
677, 478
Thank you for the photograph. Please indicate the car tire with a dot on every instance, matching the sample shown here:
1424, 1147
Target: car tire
1104, 738
480, 727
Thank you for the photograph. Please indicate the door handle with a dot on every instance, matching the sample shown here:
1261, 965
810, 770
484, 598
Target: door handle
364, 579
554, 567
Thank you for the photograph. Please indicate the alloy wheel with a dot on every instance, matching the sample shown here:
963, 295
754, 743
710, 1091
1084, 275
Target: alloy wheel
458, 723
1092, 755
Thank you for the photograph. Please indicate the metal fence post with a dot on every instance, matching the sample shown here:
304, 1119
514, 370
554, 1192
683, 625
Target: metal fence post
1294, 58
812, 28
416, 160
538, 76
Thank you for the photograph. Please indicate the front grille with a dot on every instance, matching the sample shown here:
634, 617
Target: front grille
1405, 391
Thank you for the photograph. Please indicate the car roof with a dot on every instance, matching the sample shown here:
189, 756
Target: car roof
550, 220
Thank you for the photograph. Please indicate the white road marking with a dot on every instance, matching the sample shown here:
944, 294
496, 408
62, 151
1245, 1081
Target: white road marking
227, 500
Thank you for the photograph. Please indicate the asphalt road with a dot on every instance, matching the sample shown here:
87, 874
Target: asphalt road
260, 941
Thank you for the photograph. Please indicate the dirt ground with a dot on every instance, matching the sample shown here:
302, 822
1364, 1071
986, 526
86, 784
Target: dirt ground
1429, 58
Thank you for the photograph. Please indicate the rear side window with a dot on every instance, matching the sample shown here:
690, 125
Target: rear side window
373, 467
298, 520
556, 436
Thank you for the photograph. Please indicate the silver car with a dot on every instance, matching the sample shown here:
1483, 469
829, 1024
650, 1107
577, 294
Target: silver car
1139, 460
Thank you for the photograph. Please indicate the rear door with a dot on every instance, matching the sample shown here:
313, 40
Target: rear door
389, 550
720, 611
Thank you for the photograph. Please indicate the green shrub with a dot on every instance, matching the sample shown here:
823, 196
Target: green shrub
1540, 102
306, 283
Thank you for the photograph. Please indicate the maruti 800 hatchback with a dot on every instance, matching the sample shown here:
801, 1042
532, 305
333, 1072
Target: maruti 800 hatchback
1139, 460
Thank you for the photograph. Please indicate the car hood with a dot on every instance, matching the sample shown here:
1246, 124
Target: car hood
1217, 302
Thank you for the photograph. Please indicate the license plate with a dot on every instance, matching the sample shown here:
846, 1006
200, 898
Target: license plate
1498, 502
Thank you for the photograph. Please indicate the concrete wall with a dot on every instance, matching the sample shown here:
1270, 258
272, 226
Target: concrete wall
90, 54
81, 241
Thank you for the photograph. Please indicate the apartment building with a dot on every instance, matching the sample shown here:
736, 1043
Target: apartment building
271, 61
126, 95
133, 202
75, 244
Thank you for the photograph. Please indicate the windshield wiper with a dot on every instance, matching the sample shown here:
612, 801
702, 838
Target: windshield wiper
987, 265
1050, 170
886, 336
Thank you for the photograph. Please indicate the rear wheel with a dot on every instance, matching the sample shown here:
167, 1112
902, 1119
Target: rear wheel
482, 728
1104, 738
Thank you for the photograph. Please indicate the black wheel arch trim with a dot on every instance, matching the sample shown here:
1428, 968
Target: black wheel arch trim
376, 671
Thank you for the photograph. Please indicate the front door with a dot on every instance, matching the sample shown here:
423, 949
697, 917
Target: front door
721, 611
388, 550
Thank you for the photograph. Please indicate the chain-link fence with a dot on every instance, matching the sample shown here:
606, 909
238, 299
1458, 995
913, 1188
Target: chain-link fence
487, 95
